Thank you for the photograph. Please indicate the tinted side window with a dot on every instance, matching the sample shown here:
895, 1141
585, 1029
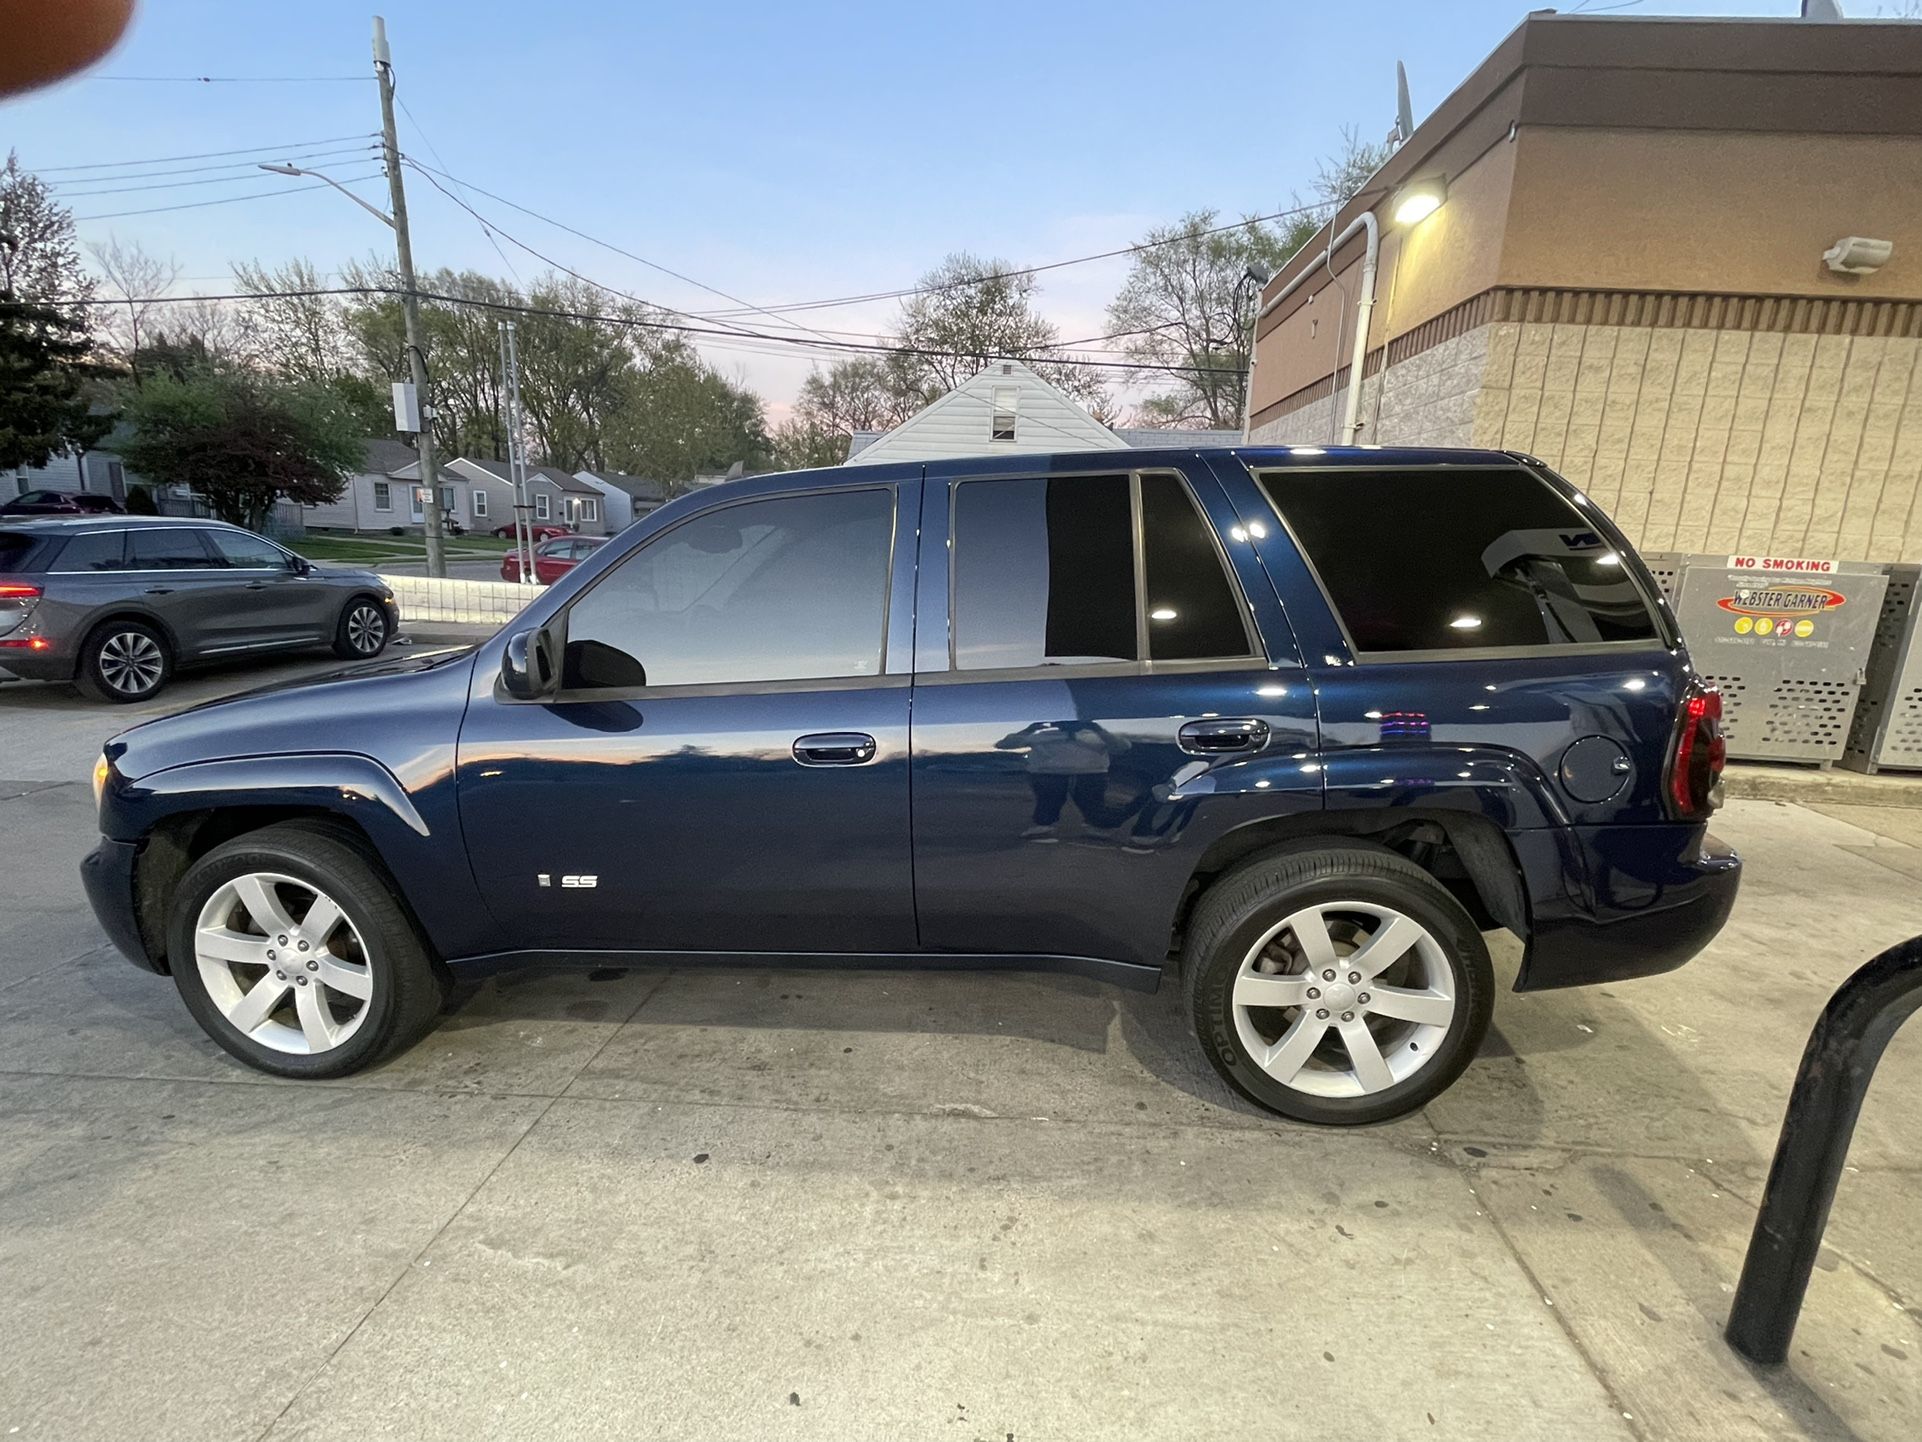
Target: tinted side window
104, 552
1193, 609
239, 549
1044, 572
167, 548
1422, 560
790, 588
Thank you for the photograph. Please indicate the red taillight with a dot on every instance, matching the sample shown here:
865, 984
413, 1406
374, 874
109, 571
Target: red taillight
12, 592
30, 643
1695, 767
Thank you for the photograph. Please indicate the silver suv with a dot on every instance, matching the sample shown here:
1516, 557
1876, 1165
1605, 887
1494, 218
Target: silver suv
115, 604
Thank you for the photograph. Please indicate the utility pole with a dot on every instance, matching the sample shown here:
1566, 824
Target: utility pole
410, 303
517, 456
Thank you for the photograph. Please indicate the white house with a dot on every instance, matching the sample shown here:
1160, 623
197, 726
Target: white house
557, 497
624, 498
380, 495
1009, 409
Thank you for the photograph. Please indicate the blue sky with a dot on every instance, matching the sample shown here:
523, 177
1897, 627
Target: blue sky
776, 151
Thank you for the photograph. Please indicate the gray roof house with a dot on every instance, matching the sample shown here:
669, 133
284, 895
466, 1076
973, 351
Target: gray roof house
625, 498
380, 495
557, 497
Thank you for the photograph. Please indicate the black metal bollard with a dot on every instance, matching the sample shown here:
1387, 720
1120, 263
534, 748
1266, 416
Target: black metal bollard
1837, 1064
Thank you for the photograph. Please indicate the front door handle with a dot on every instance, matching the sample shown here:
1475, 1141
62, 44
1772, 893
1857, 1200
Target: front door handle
160, 590
835, 748
1216, 738
256, 585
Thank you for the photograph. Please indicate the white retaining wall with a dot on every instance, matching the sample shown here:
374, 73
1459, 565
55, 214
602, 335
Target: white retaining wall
422, 598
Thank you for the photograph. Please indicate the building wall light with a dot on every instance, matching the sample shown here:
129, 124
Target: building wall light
1419, 199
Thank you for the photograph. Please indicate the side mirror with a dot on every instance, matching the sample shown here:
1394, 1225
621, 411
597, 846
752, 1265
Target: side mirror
300, 565
527, 666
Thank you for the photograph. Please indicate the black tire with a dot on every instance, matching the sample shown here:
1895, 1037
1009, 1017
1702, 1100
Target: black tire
124, 662
408, 985
362, 617
1235, 912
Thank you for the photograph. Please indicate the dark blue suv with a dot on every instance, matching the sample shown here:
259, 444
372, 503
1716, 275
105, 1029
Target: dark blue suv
1295, 725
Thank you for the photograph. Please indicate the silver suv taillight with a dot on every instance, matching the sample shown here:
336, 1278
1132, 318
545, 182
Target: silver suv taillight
17, 602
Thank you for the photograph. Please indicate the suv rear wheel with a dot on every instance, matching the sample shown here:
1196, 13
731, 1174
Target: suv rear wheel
1339, 985
124, 661
292, 951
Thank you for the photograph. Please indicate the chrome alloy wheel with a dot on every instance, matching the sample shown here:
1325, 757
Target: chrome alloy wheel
1344, 999
131, 662
282, 962
366, 628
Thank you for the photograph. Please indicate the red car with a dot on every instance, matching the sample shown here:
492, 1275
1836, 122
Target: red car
543, 531
554, 559
63, 503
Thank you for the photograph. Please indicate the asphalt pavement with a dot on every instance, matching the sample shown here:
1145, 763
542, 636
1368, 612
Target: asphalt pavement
673, 1203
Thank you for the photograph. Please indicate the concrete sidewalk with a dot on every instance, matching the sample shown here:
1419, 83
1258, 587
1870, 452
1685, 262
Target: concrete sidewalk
804, 1204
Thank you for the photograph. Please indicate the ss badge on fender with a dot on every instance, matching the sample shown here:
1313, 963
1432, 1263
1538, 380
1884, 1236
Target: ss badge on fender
571, 883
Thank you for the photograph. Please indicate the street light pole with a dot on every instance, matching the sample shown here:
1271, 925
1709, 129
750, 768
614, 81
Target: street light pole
410, 303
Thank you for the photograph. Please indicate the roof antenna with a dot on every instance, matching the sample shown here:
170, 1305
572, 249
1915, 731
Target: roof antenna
1404, 112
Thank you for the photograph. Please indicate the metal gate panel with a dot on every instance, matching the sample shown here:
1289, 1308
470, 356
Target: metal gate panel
1887, 731
1786, 647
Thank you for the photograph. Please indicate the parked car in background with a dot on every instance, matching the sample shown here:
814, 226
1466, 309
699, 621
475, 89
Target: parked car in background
117, 604
1294, 728
62, 503
554, 559
543, 531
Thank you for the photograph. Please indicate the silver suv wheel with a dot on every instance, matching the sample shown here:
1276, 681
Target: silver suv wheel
283, 963
1344, 998
131, 663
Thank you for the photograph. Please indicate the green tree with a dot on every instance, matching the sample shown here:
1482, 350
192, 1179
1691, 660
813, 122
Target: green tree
45, 328
242, 440
801, 443
967, 312
682, 418
1188, 303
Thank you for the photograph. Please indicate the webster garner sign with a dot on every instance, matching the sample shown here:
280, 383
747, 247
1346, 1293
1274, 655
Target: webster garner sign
1802, 565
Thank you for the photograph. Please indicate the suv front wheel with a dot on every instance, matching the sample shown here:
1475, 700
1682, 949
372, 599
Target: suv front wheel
1339, 985
293, 952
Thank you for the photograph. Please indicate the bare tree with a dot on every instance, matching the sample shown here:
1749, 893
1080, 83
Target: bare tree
209, 325
138, 279
289, 327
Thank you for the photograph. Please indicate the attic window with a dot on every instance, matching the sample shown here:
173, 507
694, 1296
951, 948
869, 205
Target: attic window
1001, 428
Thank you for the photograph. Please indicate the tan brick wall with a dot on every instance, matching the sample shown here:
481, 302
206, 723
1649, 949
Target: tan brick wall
1694, 440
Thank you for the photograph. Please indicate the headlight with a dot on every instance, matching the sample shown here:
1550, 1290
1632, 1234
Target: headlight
101, 769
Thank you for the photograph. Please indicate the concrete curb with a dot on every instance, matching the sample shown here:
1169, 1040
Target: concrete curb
1809, 786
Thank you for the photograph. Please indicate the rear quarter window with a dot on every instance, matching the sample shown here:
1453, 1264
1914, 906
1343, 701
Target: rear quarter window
1458, 559
16, 551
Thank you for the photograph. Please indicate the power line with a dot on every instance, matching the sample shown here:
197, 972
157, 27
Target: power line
428, 140
227, 200
226, 79
746, 307
542, 256
324, 153
202, 155
991, 276
246, 174
642, 323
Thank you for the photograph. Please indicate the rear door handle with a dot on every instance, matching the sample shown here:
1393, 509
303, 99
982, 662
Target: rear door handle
256, 585
835, 748
160, 590
1215, 738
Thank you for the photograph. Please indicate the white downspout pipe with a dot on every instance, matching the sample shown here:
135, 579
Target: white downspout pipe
1364, 311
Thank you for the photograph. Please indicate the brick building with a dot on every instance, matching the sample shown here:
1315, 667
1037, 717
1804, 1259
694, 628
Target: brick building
1625, 276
